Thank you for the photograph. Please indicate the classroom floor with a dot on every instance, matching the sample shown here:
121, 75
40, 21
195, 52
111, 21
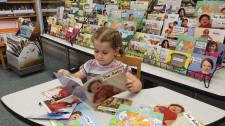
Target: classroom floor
11, 82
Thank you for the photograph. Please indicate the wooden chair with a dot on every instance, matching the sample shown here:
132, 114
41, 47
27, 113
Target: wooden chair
2, 56
131, 61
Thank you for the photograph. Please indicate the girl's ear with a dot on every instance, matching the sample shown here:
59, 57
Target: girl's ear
117, 51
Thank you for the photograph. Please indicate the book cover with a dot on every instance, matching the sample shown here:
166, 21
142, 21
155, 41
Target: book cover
102, 20
186, 43
158, 9
152, 27
135, 16
116, 13
111, 105
200, 45
178, 61
100, 8
174, 114
218, 21
155, 54
80, 116
168, 43
172, 28
114, 22
89, 28
129, 25
162, 17
171, 6
147, 54
155, 39
189, 3
189, 11
105, 86
110, 8
221, 53
54, 29
206, 7
87, 41
127, 115
163, 56
211, 34
139, 5
125, 5
201, 66
219, 9
136, 49
126, 37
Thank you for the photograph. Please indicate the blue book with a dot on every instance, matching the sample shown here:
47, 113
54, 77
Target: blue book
81, 116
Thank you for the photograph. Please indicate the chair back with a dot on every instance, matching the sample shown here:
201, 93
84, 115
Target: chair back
131, 61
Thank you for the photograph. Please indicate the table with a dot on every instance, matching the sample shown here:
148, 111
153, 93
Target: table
29, 98
216, 89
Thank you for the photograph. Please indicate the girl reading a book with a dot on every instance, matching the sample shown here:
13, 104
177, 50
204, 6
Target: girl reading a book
211, 49
107, 44
206, 65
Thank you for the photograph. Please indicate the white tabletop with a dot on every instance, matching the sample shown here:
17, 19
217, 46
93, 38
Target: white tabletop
217, 86
27, 100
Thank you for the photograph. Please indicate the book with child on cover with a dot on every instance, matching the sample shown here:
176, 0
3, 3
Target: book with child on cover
81, 116
112, 104
180, 117
133, 116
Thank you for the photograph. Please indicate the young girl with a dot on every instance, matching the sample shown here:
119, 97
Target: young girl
211, 49
107, 44
206, 65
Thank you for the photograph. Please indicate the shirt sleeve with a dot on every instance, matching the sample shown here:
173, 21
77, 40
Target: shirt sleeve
83, 68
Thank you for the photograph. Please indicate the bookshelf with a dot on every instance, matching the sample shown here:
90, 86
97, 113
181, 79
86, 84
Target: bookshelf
13, 5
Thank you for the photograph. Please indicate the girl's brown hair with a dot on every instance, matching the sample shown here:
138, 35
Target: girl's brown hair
212, 43
106, 34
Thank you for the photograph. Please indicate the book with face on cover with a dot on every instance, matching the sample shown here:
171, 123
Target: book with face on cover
127, 115
171, 6
112, 104
172, 28
174, 114
80, 116
135, 16
152, 27
129, 25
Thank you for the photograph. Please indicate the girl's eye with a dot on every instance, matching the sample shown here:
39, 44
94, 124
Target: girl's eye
96, 51
105, 52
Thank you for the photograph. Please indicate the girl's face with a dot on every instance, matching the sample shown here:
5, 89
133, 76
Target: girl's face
165, 44
206, 67
212, 48
181, 14
104, 53
204, 21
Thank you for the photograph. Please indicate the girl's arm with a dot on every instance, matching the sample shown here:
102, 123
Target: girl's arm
133, 83
77, 74
168, 122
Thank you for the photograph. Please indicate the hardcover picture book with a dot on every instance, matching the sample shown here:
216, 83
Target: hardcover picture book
155, 55
127, 115
124, 5
112, 104
155, 40
172, 28
200, 45
152, 27
135, 16
178, 61
162, 17
136, 49
174, 114
163, 56
201, 66
139, 5
126, 37
114, 22
171, 6
102, 20
80, 116
129, 25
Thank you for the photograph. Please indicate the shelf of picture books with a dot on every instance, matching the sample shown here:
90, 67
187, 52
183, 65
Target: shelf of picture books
187, 39
24, 52
70, 102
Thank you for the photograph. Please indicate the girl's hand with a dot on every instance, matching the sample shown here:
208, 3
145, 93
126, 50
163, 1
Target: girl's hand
62, 72
129, 85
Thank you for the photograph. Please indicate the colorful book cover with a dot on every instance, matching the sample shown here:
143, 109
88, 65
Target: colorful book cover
171, 6
189, 11
140, 37
201, 66
168, 43
177, 114
178, 61
127, 115
172, 28
125, 5
129, 25
218, 21
147, 54
87, 41
162, 17
89, 10
211, 34
135, 16
114, 22
111, 105
80, 39
54, 29
200, 45
155, 39
102, 20
158, 9
219, 9
139, 5
126, 37
76, 12
221, 53
163, 56
80, 116
115, 13
155, 53
206, 7
136, 49
161, 2
100, 8
108, 85
186, 43
89, 28
110, 8
151, 27
189, 3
